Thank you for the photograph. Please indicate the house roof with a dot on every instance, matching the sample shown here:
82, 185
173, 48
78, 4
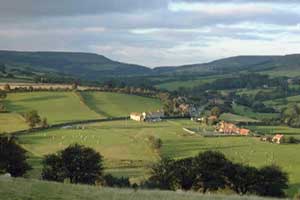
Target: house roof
278, 136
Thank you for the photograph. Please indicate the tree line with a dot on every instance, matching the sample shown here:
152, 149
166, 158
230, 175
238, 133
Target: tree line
211, 171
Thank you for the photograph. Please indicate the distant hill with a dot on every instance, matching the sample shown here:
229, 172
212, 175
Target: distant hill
89, 66
82, 65
239, 63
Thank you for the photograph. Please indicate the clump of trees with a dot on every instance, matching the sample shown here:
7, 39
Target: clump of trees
12, 157
291, 115
211, 171
76, 163
3, 95
79, 164
33, 119
156, 143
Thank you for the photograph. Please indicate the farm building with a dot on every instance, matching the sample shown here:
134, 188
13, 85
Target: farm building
137, 117
278, 138
232, 129
153, 116
147, 116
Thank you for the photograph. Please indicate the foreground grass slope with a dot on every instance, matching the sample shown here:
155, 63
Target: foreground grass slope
25, 189
115, 104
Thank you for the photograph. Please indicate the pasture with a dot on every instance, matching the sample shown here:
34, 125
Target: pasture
127, 150
10, 122
236, 118
248, 112
110, 104
57, 107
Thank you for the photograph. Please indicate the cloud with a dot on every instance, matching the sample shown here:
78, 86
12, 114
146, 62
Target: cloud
152, 33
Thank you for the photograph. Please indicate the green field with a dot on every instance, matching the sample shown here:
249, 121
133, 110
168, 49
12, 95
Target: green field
25, 189
283, 102
10, 122
272, 130
115, 104
175, 85
58, 107
248, 112
127, 151
236, 118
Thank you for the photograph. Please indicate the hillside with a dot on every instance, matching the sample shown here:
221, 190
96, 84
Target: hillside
80, 65
11, 189
89, 66
240, 63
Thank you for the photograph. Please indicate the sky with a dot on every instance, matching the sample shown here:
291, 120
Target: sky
153, 32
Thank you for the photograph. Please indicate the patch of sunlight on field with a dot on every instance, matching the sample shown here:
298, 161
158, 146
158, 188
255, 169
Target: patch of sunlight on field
57, 107
10, 122
115, 104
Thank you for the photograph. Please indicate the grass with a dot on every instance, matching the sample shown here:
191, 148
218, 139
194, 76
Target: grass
13, 189
115, 104
10, 122
236, 118
175, 85
272, 130
58, 107
127, 151
248, 112
283, 102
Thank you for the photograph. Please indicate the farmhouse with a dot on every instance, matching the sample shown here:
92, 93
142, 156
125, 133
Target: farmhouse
147, 116
278, 138
136, 117
232, 129
153, 116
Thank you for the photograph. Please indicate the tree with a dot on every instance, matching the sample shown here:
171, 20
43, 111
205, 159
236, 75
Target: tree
32, 118
3, 95
184, 174
53, 168
271, 182
74, 86
6, 87
77, 163
215, 111
242, 179
12, 157
291, 115
210, 169
44, 123
162, 175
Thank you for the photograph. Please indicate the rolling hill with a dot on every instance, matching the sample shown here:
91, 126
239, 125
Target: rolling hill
80, 65
239, 63
89, 66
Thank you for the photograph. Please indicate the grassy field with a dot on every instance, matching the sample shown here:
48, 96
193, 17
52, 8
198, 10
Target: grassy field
236, 118
58, 107
272, 130
175, 85
115, 105
13, 189
248, 112
127, 151
283, 102
10, 122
